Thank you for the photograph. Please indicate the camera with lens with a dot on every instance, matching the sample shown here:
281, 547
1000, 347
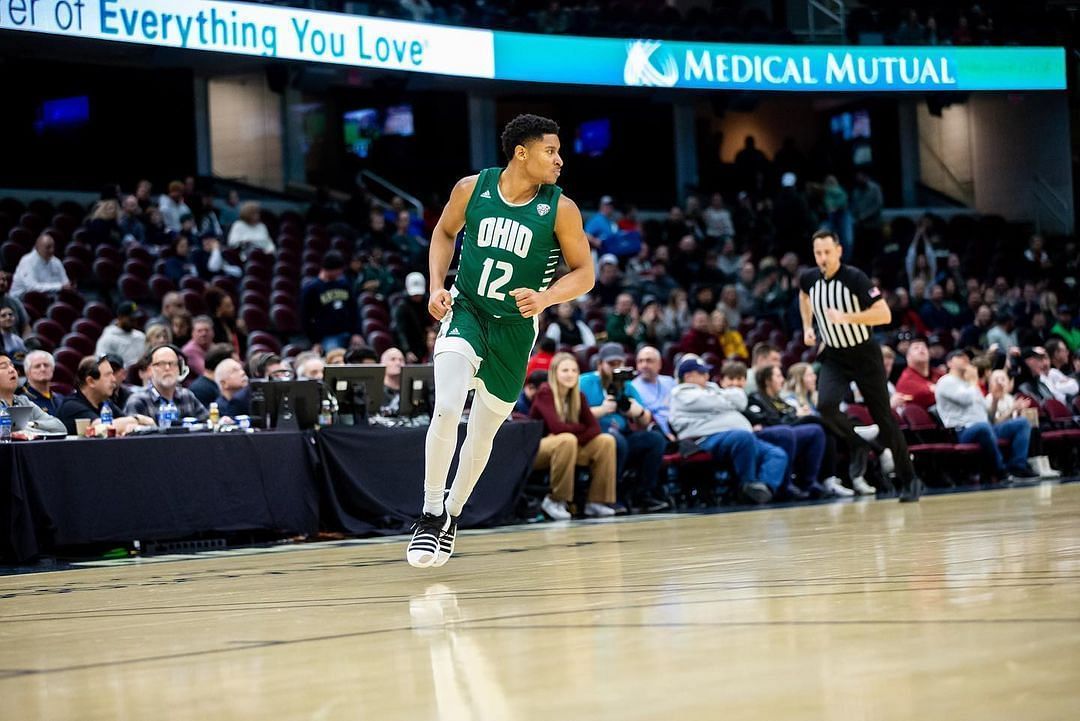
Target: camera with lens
617, 388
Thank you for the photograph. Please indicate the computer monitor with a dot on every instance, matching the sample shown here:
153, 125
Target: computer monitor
285, 404
358, 388
417, 390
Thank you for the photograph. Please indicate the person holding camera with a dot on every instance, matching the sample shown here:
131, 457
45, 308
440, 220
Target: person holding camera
619, 409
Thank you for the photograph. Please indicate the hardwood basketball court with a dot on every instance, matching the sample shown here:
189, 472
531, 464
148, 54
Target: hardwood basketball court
964, 606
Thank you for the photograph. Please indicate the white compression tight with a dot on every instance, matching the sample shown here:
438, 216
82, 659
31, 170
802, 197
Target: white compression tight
453, 371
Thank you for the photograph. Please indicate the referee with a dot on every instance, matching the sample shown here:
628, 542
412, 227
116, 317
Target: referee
846, 305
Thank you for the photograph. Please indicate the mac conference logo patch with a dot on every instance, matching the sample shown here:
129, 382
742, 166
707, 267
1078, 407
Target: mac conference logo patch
543, 209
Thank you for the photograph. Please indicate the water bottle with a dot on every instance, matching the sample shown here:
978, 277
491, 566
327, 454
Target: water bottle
106, 414
5, 425
163, 415
174, 413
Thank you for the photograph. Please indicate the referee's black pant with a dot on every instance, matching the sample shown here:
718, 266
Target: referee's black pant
862, 364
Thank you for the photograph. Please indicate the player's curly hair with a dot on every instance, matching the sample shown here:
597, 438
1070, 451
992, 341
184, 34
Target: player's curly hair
525, 129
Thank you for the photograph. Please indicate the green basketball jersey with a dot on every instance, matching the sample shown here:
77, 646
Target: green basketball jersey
506, 247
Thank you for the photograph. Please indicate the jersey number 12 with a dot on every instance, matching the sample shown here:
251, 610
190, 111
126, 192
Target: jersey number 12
491, 290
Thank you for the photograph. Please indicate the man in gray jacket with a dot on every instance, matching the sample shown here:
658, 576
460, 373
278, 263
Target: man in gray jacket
713, 416
961, 407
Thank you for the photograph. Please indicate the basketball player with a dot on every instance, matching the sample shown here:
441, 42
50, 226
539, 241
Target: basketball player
846, 305
517, 222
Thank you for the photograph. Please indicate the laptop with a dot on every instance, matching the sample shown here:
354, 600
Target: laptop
20, 420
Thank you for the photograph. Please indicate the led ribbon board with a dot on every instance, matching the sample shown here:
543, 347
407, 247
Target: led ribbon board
305, 35
262, 30
786, 68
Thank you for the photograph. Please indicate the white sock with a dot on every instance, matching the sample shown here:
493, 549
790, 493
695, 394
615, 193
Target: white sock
484, 423
453, 373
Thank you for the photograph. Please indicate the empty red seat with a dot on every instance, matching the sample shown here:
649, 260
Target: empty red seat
63, 313
371, 325
254, 317
286, 319
293, 349
267, 340
256, 284
375, 311
69, 357
193, 301
80, 251
99, 313
138, 268
256, 299
50, 329
380, 340
22, 237
88, 328
10, 255
134, 288
137, 252
191, 282
71, 297
107, 272
107, 251
283, 283
160, 285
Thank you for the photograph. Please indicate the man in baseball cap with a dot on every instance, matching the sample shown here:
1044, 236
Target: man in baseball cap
711, 415
121, 337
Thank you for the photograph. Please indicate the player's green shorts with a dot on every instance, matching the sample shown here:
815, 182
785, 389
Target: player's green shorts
499, 350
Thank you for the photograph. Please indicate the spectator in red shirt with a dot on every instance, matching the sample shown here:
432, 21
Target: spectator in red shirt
541, 359
918, 379
700, 339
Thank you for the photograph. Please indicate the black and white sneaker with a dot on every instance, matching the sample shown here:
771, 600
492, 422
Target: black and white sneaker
446, 542
424, 548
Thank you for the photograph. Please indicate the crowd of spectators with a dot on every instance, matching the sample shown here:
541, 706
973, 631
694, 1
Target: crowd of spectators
702, 304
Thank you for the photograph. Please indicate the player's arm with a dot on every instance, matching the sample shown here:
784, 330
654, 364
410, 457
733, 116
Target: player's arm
878, 313
441, 249
570, 233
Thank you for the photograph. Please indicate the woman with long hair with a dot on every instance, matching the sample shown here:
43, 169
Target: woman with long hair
572, 439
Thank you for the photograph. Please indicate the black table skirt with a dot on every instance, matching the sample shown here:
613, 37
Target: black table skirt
373, 478
60, 493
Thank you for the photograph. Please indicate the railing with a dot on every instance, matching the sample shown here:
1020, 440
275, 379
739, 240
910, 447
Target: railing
1047, 199
377, 180
834, 13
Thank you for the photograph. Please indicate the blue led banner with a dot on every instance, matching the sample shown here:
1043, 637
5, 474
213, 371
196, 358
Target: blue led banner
310, 36
672, 64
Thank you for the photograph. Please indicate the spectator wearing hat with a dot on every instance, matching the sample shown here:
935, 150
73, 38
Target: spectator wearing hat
95, 384
1035, 376
712, 416
608, 282
121, 337
1065, 330
620, 412
602, 227
39, 366
1004, 331
328, 306
961, 407
919, 378
411, 319
40, 270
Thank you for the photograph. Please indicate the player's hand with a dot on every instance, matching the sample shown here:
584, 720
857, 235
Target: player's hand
440, 303
529, 302
835, 316
809, 337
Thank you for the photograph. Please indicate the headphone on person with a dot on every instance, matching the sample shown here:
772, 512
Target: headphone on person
180, 358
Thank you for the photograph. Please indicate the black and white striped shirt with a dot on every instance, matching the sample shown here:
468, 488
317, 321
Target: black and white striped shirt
848, 291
